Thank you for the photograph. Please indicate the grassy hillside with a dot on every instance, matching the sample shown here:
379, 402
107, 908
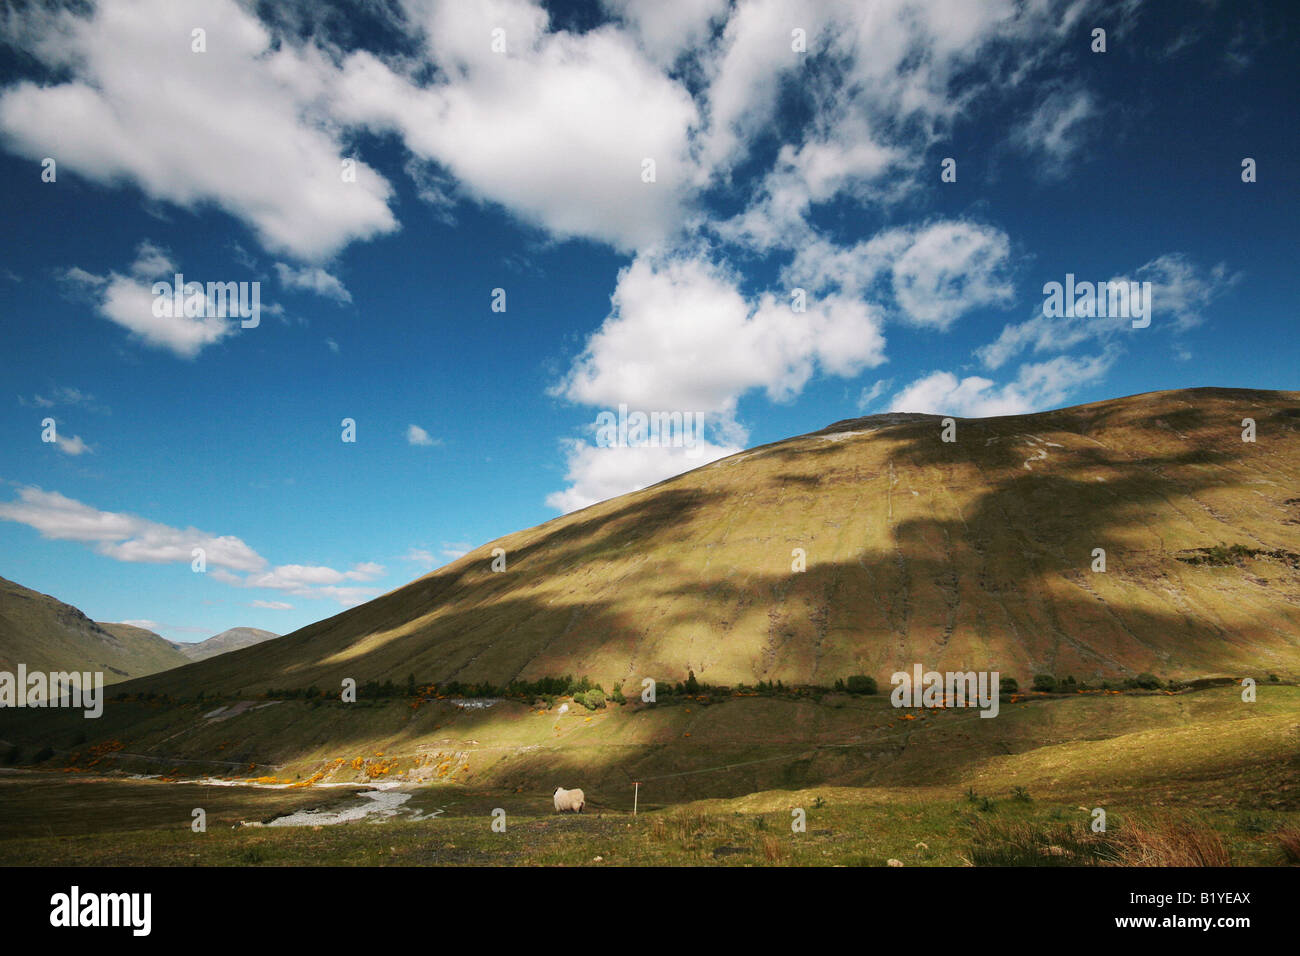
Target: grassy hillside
975, 553
47, 635
718, 781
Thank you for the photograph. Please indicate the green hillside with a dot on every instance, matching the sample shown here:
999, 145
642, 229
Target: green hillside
47, 635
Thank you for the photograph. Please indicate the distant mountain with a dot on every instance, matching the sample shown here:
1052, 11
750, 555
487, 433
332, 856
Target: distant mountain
231, 640
47, 635
868, 547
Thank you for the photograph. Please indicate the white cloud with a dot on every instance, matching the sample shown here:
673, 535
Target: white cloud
949, 269
272, 605
61, 395
1180, 293
299, 578
451, 550
124, 537
1182, 290
665, 29
129, 302
130, 538
71, 446
555, 129
931, 274
1058, 128
1037, 387
152, 261
192, 128
682, 337
595, 474
415, 435
868, 395
422, 557
312, 279
142, 623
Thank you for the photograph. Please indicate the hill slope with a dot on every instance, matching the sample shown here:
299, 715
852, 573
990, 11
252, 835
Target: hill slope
47, 635
974, 553
229, 640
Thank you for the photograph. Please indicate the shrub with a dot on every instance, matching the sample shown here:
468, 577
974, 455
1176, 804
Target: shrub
1045, 683
592, 699
616, 695
860, 684
1147, 681
1008, 685
692, 685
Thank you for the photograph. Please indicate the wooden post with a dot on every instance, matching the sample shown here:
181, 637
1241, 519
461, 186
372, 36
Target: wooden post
635, 795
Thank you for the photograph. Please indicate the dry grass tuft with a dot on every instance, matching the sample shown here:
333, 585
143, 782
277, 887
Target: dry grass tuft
1288, 839
1171, 842
773, 851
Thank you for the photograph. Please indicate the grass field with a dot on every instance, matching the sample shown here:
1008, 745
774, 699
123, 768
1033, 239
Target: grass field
719, 784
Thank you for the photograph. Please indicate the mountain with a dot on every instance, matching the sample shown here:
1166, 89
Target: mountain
47, 635
981, 552
230, 640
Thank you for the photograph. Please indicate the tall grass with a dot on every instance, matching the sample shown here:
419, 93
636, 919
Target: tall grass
1160, 841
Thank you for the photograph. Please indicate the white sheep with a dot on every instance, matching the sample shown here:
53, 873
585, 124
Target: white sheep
573, 800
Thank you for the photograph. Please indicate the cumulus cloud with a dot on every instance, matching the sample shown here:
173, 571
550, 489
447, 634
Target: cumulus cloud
929, 275
1037, 387
555, 128
188, 128
128, 301
272, 605
681, 336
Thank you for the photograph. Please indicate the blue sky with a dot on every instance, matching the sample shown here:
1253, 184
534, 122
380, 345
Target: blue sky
521, 167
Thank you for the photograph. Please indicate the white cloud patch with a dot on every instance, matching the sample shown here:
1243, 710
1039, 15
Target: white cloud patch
141, 623
128, 301
1181, 292
312, 279
130, 538
192, 128
555, 129
682, 337
1058, 129
595, 474
415, 435
272, 605
71, 446
124, 537
1037, 387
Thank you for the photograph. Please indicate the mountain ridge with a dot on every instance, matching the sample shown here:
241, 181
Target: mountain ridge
975, 553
